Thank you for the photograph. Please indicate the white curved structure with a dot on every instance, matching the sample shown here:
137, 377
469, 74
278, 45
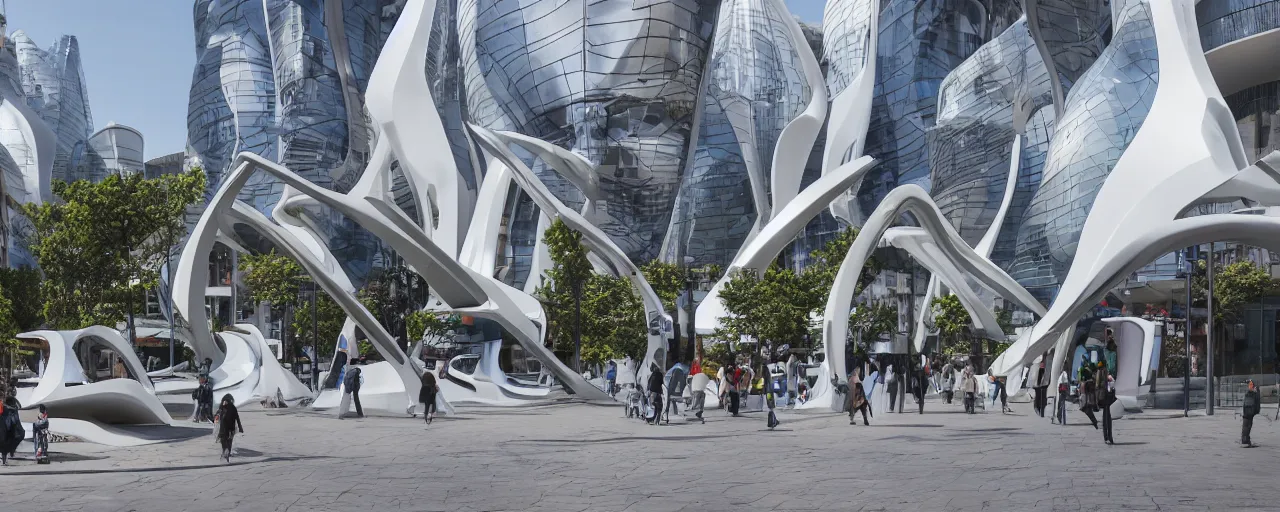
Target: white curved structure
907, 198
487, 383
1135, 342
851, 30
764, 247
921, 246
68, 392
1186, 152
797, 138
496, 144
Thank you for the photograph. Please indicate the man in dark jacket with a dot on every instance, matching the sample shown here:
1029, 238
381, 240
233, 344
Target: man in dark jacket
351, 386
11, 431
1252, 406
655, 392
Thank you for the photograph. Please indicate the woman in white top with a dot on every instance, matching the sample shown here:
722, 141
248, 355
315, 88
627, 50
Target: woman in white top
1064, 386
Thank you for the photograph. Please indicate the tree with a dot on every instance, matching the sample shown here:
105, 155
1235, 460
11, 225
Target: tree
872, 320
391, 296
667, 280
102, 246
561, 288
824, 263
274, 279
21, 286
1235, 287
613, 321
329, 319
952, 322
427, 325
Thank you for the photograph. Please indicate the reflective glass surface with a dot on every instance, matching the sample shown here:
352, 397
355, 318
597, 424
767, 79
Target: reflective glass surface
982, 105
1224, 21
1257, 113
614, 81
919, 43
53, 82
1073, 34
1103, 113
755, 86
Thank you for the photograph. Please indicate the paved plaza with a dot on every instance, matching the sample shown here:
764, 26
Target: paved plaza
573, 456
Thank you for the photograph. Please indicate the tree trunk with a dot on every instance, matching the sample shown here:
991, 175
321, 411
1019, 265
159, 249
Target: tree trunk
577, 328
975, 354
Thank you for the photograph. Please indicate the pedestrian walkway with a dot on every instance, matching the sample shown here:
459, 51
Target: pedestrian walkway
572, 457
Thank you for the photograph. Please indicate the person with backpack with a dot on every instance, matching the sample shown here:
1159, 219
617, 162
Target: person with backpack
610, 377
228, 420
1252, 406
857, 399
733, 380
351, 393
655, 393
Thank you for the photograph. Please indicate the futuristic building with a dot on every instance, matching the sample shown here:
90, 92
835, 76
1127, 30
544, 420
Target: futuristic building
55, 88
116, 149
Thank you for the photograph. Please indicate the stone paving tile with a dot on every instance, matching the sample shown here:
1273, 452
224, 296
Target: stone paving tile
576, 457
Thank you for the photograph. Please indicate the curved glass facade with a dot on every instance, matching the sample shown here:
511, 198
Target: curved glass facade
1257, 113
971, 145
115, 149
53, 83
754, 87
285, 79
1224, 21
1072, 34
616, 82
919, 44
1102, 115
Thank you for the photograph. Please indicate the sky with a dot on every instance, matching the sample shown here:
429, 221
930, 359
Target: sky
138, 57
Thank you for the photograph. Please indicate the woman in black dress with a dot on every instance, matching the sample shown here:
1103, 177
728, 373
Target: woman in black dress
228, 422
428, 396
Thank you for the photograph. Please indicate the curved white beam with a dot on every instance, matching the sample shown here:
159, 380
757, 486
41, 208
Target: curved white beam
1187, 147
918, 243
797, 138
572, 166
850, 114
495, 143
400, 102
763, 248
458, 286
409, 373
907, 198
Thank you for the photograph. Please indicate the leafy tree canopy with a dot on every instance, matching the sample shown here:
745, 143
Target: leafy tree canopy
272, 278
103, 244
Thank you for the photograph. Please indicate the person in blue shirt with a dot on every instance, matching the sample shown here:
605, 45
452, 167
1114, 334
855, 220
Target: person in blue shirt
610, 377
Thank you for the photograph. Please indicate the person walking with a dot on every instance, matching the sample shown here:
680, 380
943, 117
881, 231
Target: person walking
1064, 389
351, 393
948, 380
770, 400
698, 387
11, 430
1041, 389
732, 378
655, 392
1089, 399
857, 399
228, 419
969, 386
1252, 406
610, 377
891, 380
203, 398
998, 392
1109, 397
427, 395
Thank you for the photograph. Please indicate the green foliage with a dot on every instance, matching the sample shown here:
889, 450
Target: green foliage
21, 286
272, 278
391, 296
874, 319
569, 272
329, 317
613, 323
1235, 286
666, 279
952, 322
431, 326
102, 245
777, 307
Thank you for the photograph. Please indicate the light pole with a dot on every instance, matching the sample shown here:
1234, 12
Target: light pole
1208, 335
315, 333
1190, 258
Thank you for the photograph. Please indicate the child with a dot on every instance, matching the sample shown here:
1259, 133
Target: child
40, 435
228, 420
